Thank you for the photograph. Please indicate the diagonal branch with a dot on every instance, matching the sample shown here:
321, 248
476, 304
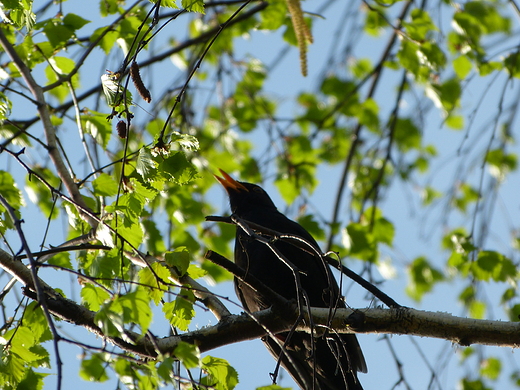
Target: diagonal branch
50, 134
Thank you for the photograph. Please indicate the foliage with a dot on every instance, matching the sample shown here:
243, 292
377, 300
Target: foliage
412, 139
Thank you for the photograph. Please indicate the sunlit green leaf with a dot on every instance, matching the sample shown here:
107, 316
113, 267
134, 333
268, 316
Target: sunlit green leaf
94, 369
105, 185
180, 312
93, 296
188, 354
178, 258
462, 66
220, 374
155, 278
423, 276
491, 368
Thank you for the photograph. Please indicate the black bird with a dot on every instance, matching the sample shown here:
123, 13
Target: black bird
332, 361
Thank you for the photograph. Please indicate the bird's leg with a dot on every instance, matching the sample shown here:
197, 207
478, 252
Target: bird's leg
338, 348
287, 341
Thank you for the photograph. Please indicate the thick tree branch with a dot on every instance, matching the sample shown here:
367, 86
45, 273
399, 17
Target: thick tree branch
236, 328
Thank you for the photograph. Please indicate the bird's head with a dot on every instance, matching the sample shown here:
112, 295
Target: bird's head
245, 197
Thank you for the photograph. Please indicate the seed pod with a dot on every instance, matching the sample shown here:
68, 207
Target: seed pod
138, 82
122, 130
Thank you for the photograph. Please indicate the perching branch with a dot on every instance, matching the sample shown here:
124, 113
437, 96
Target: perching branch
236, 328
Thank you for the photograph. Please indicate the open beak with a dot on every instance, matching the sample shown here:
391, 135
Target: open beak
229, 183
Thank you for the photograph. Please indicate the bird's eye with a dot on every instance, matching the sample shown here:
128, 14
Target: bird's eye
258, 190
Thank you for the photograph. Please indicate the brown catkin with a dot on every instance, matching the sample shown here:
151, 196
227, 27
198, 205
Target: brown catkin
138, 82
122, 130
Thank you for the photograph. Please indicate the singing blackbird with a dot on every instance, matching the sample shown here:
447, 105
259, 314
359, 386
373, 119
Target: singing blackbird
330, 362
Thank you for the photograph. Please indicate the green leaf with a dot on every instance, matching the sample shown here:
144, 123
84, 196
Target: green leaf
39, 193
508, 295
108, 39
188, 354
375, 21
361, 67
406, 135
288, 190
477, 309
166, 3
220, 374
193, 5
407, 56
383, 231
188, 142
20, 13
423, 277
105, 185
456, 122
22, 343
136, 308
146, 165
429, 195
473, 385
433, 57
10, 192
38, 323
501, 163
93, 296
61, 260
462, 66
493, 265
74, 22
360, 242
468, 195
446, 95
195, 271
179, 258
93, 369
420, 26
133, 233
110, 319
57, 34
368, 114
217, 273
180, 312
273, 17
512, 64
132, 308
59, 67
5, 107
491, 368
514, 313
488, 17
178, 169
32, 381
312, 226
96, 124
103, 265
154, 280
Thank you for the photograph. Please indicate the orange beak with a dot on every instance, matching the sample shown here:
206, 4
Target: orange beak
229, 183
